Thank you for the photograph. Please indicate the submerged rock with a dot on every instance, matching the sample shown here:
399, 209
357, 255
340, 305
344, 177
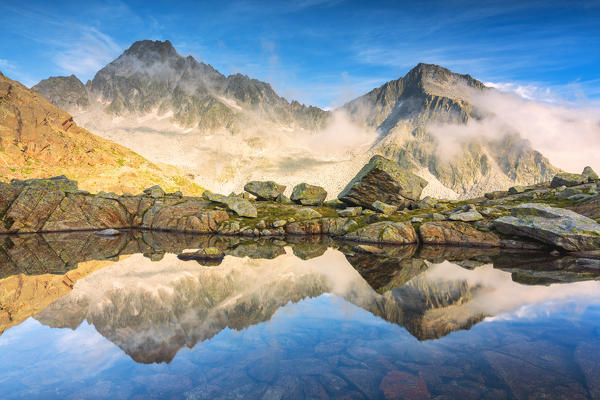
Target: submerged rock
555, 226
385, 232
384, 180
107, 232
264, 190
308, 195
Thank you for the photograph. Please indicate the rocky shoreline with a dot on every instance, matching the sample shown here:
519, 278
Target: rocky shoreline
380, 205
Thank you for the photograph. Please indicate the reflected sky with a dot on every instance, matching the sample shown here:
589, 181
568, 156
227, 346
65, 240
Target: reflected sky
293, 328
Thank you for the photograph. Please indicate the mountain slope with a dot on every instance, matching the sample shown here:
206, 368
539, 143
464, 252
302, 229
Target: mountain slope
37, 139
412, 116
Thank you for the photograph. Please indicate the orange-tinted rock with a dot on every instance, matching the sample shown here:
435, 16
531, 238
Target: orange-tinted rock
456, 233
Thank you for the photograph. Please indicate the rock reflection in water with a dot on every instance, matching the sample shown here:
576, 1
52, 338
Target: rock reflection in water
152, 309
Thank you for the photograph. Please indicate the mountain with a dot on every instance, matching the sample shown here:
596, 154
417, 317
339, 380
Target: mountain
226, 130
151, 76
37, 139
404, 112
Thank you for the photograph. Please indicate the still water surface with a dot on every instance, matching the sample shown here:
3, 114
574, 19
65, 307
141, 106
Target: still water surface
280, 320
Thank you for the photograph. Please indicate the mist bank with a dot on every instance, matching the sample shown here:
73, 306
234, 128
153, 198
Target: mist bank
568, 135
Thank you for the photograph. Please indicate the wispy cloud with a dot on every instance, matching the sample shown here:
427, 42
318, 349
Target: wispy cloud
88, 53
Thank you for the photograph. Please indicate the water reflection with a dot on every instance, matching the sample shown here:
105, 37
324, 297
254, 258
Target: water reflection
307, 318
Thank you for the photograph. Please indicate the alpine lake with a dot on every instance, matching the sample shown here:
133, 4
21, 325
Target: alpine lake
90, 317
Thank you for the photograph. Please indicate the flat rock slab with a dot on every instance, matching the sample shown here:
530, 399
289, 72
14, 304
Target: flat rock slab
555, 226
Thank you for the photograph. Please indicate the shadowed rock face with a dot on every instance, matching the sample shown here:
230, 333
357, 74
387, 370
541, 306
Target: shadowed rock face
151, 308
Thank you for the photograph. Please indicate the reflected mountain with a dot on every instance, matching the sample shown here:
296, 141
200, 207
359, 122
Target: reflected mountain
151, 304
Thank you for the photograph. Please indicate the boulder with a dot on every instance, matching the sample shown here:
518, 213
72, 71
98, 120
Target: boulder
466, 216
426, 202
385, 232
322, 226
308, 195
498, 194
384, 180
555, 226
239, 205
155, 192
383, 207
567, 179
264, 190
456, 233
189, 216
282, 199
589, 208
307, 213
589, 175
350, 212
517, 189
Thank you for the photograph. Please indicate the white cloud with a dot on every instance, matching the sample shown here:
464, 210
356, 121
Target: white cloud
89, 53
568, 134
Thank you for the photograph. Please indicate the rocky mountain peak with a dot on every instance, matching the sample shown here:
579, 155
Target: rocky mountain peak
143, 48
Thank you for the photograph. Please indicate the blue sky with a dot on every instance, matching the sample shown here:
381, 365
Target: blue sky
321, 52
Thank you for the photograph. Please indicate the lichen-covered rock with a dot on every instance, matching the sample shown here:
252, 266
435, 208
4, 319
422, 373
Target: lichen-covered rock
567, 179
589, 208
498, 194
589, 175
350, 212
516, 189
239, 205
322, 226
305, 227
264, 190
155, 192
555, 226
308, 195
307, 213
383, 207
466, 216
283, 199
31, 208
385, 232
384, 180
60, 182
190, 216
426, 202
456, 233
